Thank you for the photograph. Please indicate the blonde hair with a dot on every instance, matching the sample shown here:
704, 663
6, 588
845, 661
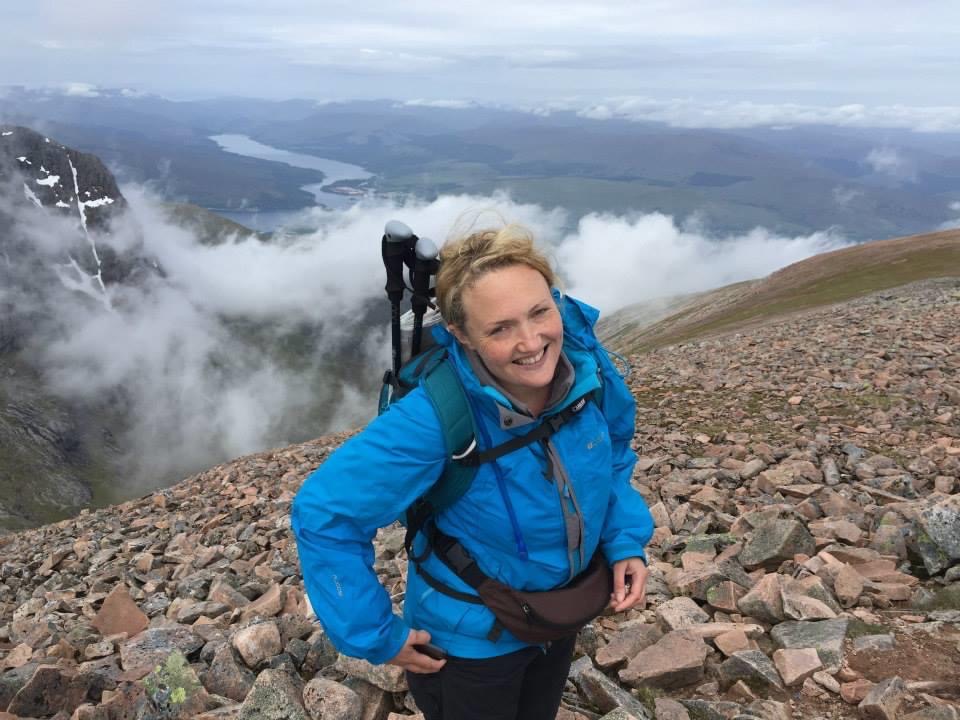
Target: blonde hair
465, 259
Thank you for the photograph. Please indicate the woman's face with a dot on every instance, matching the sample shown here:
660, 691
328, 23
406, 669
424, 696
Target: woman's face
513, 323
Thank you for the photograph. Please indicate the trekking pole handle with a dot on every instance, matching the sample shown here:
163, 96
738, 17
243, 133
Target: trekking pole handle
397, 241
425, 265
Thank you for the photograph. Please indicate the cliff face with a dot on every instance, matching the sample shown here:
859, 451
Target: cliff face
56, 204
41, 176
59, 178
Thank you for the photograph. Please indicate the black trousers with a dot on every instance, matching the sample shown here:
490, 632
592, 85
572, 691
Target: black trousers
522, 685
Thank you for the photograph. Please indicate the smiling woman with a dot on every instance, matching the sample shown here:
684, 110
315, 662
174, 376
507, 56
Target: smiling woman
499, 306
514, 327
549, 529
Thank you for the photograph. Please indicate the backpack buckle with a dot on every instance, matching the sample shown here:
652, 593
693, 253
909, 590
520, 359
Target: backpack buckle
463, 454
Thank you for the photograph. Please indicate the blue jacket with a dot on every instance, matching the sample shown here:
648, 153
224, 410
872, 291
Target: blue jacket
528, 531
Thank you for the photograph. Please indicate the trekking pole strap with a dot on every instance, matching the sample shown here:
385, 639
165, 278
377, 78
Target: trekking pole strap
546, 429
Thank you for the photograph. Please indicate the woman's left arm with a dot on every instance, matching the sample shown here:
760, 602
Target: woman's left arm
628, 525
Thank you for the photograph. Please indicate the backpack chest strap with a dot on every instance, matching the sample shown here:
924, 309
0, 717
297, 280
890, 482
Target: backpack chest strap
550, 426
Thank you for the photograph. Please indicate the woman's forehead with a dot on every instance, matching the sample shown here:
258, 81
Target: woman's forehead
505, 293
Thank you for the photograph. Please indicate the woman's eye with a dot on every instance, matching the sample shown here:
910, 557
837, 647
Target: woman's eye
497, 330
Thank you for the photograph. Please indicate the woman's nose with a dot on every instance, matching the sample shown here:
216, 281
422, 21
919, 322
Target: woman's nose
527, 336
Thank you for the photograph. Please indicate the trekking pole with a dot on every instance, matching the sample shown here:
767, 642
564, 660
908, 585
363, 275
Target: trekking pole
397, 238
425, 265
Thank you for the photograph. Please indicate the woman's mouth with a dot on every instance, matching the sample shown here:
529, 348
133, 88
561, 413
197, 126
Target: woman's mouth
533, 359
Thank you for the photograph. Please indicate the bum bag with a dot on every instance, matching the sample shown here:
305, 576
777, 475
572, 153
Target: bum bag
532, 616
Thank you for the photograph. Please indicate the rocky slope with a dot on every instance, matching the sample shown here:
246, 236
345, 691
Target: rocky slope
803, 476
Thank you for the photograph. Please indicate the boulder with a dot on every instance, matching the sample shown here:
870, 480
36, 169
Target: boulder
883, 701
329, 700
257, 643
754, 668
274, 696
677, 659
776, 541
825, 636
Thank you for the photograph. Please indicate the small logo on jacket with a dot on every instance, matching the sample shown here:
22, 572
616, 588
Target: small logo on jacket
598, 440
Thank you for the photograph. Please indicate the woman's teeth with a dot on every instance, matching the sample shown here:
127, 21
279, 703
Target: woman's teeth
531, 360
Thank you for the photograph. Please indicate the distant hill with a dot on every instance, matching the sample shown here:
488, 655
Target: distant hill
210, 227
789, 180
821, 280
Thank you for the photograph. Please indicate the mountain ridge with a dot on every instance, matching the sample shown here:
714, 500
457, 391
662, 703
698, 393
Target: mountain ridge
828, 277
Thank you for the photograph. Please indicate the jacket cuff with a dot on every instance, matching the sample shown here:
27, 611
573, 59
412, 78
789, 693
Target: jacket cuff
615, 553
397, 636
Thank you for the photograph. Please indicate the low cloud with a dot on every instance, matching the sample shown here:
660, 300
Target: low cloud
954, 223
200, 356
445, 104
892, 163
616, 261
79, 89
690, 113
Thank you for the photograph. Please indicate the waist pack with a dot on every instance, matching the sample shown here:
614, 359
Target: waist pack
532, 616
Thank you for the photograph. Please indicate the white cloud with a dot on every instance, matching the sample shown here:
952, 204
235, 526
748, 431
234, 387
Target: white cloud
885, 160
691, 113
80, 89
891, 162
955, 222
778, 51
171, 346
614, 261
367, 59
446, 104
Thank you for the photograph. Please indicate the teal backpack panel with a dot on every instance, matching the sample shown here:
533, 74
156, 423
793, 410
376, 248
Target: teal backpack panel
434, 371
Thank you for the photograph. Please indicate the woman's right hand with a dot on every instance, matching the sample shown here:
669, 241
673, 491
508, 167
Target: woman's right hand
409, 658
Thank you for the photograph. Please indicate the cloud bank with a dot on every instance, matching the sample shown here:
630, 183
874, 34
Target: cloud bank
729, 114
230, 350
615, 261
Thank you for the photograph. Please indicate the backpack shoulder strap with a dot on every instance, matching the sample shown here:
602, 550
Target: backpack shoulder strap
449, 399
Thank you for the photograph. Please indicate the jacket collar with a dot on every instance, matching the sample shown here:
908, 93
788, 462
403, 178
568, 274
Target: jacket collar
563, 380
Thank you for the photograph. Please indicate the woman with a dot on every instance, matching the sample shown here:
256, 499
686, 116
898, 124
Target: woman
532, 519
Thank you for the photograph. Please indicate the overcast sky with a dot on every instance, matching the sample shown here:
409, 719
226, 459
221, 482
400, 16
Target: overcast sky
604, 55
